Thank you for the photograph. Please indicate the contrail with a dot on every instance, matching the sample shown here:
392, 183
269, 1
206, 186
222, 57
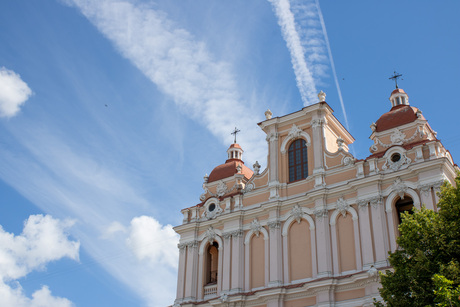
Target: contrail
304, 77
326, 38
304, 31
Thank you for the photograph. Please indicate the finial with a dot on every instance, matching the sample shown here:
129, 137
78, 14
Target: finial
256, 167
395, 77
322, 96
268, 114
235, 133
206, 177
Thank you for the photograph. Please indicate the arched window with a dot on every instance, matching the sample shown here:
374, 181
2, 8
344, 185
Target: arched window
211, 263
298, 162
404, 205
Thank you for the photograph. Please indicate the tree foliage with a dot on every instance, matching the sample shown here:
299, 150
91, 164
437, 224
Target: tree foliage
426, 265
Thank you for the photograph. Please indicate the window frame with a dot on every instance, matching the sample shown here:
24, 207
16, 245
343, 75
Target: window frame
297, 152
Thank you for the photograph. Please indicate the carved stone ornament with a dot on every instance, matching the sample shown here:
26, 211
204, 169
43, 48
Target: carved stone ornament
398, 138
256, 227
403, 161
342, 206
276, 224
321, 213
268, 114
297, 213
373, 273
340, 142
224, 298
373, 126
271, 137
210, 234
322, 96
221, 188
316, 123
294, 132
400, 187
256, 167
239, 168
348, 161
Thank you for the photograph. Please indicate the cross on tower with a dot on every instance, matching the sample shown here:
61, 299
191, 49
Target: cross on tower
235, 133
395, 77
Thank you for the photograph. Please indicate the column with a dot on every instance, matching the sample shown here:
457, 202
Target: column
379, 228
276, 257
237, 261
181, 271
191, 275
323, 241
227, 261
366, 238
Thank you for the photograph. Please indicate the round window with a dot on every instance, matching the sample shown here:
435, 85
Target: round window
395, 157
211, 207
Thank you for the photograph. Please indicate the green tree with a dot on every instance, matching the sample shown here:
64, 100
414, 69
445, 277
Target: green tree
426, 268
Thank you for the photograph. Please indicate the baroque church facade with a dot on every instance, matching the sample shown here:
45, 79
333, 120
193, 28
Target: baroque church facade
315, 227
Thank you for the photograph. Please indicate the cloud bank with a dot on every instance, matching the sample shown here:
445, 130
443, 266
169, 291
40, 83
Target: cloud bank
13, 92
43, 239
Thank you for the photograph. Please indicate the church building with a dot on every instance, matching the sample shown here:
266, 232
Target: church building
315, 227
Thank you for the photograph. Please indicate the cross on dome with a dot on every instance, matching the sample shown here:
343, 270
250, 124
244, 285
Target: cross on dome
235, 133
395, 77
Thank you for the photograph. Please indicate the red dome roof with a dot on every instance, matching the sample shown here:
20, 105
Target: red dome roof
398, 116
398, 90
235, 145
229, 169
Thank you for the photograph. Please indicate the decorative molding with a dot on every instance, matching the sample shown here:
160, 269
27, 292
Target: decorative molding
342, 206
399, 187
316, 123
276, 224
295, 132
271, 137
221, 188
394, 166
256, 227
233, 233
210, 234
297, 213
348, 161
398, 138
321, 213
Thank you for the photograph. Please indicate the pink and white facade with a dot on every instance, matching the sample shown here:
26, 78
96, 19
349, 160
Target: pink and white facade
316, 225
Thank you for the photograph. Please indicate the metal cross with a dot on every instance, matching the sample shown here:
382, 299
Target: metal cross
235, 132
395, 77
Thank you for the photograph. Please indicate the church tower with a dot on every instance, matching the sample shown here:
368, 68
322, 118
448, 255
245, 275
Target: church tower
315, 227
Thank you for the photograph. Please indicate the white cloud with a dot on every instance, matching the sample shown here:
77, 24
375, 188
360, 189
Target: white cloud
181, 67
43, 239
13, 92
151, 241
10, 296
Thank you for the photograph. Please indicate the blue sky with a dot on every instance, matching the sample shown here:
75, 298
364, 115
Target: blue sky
111, 112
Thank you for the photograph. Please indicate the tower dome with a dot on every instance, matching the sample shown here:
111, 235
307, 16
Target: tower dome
400, 114
232, 166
